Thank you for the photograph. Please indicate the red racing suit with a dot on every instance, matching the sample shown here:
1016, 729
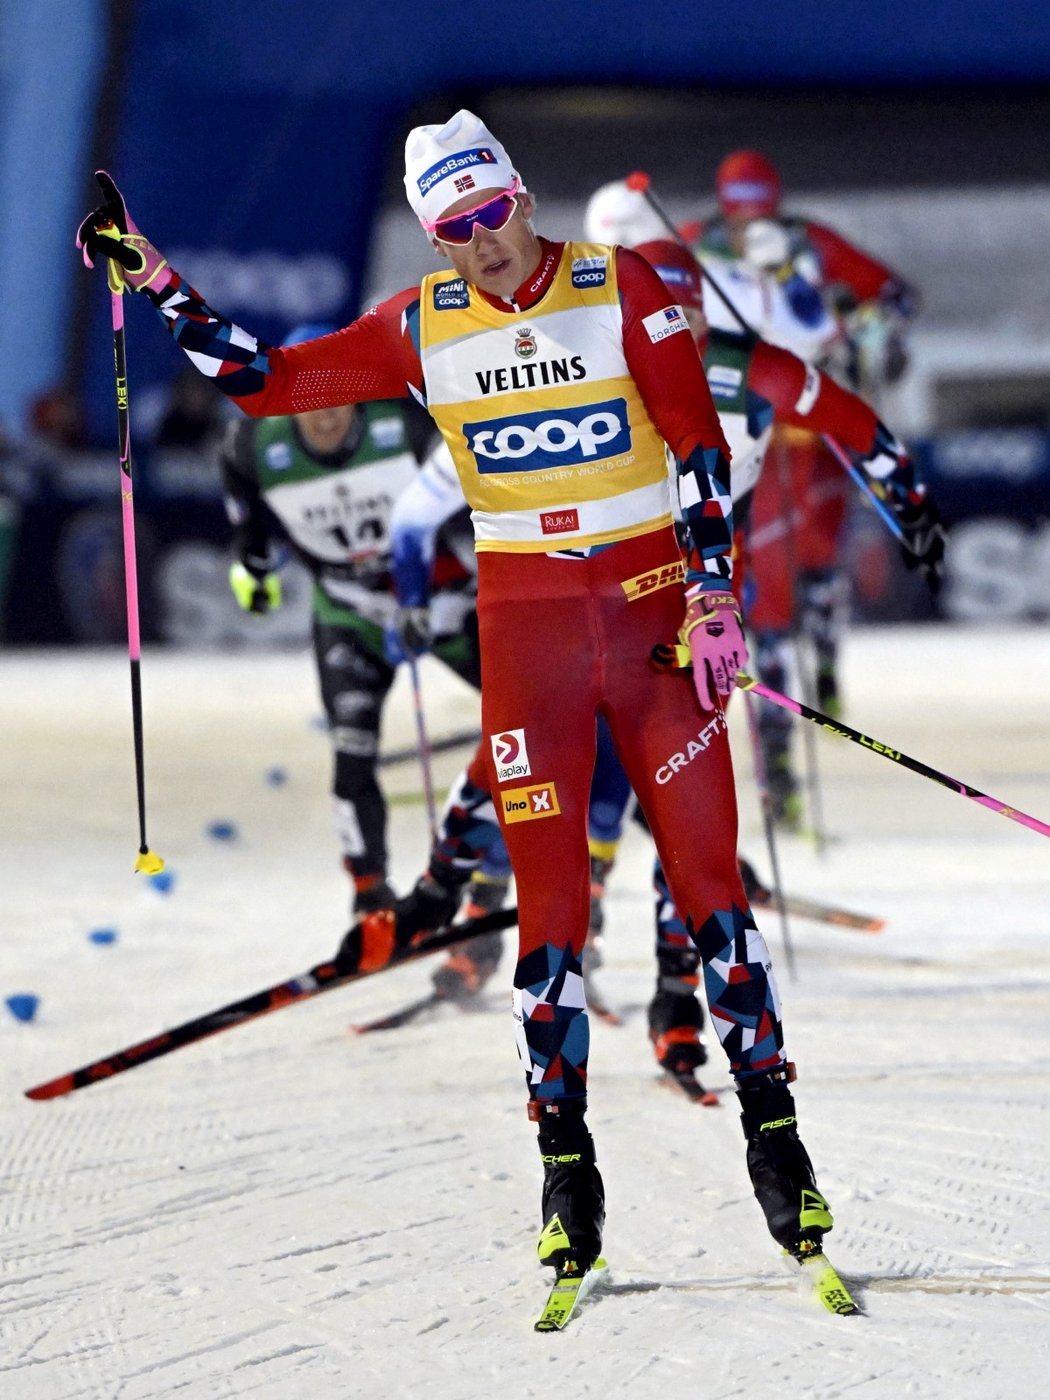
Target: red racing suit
566, 628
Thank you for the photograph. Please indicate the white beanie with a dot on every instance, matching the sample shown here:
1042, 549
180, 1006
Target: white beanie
617, 214
443, 163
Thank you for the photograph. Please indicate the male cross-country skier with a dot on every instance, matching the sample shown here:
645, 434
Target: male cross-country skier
754, 385
556, 373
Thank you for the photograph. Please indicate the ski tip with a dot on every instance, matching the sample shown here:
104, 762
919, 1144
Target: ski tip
53, 1089
828, 1287
688, 1084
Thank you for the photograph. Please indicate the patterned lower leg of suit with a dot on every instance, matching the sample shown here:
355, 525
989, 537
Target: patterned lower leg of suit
564, 639
741, 995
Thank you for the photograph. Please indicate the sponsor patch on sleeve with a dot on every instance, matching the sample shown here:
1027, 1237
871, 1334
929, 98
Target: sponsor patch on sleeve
810, 391
663, 323
278, 456
387, 433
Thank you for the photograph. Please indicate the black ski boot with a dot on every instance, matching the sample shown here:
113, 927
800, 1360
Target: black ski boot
426, 907
785, 800
371, 890
379, 936
470, 964
755, 891
573, 1204
675, 1022
600, 868
828, 698
371, 895
781, 1173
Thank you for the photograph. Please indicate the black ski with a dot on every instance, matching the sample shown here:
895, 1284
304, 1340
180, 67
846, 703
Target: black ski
350, 967
760, 896
596, 1003
687, 1082
396, 1019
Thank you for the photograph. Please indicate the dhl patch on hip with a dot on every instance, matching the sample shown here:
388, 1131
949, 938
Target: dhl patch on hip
643, 584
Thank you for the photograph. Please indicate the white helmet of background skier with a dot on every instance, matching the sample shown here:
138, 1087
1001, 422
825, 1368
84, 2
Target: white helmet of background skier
616, 214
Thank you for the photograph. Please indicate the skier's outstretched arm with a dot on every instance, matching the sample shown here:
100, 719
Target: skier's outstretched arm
372, 358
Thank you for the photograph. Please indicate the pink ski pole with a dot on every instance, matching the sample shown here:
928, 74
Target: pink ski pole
669, 657
148, 862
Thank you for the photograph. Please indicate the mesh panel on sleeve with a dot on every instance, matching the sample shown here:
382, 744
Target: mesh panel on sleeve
318, 388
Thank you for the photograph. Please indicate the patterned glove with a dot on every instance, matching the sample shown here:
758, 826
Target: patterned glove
923, 542
715, 637
257, 593
109, 232
408, 635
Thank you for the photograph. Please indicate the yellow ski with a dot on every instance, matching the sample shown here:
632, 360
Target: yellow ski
569, 1290
828, 1286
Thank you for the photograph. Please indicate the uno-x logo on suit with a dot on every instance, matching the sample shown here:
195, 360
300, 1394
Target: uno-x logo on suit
529, 804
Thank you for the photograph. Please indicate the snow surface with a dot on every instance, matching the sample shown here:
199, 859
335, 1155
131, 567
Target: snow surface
291, 1211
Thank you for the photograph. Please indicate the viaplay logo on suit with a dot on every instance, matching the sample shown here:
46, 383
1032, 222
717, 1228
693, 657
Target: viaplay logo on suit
510, 755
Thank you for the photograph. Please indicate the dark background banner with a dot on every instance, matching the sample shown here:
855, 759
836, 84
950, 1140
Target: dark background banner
259, 146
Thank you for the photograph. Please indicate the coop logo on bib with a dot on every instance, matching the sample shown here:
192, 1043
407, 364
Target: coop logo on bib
566, 437
510, 755
588, 272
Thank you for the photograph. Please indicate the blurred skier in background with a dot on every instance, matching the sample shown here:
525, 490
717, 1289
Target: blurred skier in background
469, 852
757, 388
324, 482
849, 316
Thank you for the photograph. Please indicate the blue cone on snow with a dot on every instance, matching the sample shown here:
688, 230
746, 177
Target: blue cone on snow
102, 935
22, 1005
163, 881
222, 831
276, 777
